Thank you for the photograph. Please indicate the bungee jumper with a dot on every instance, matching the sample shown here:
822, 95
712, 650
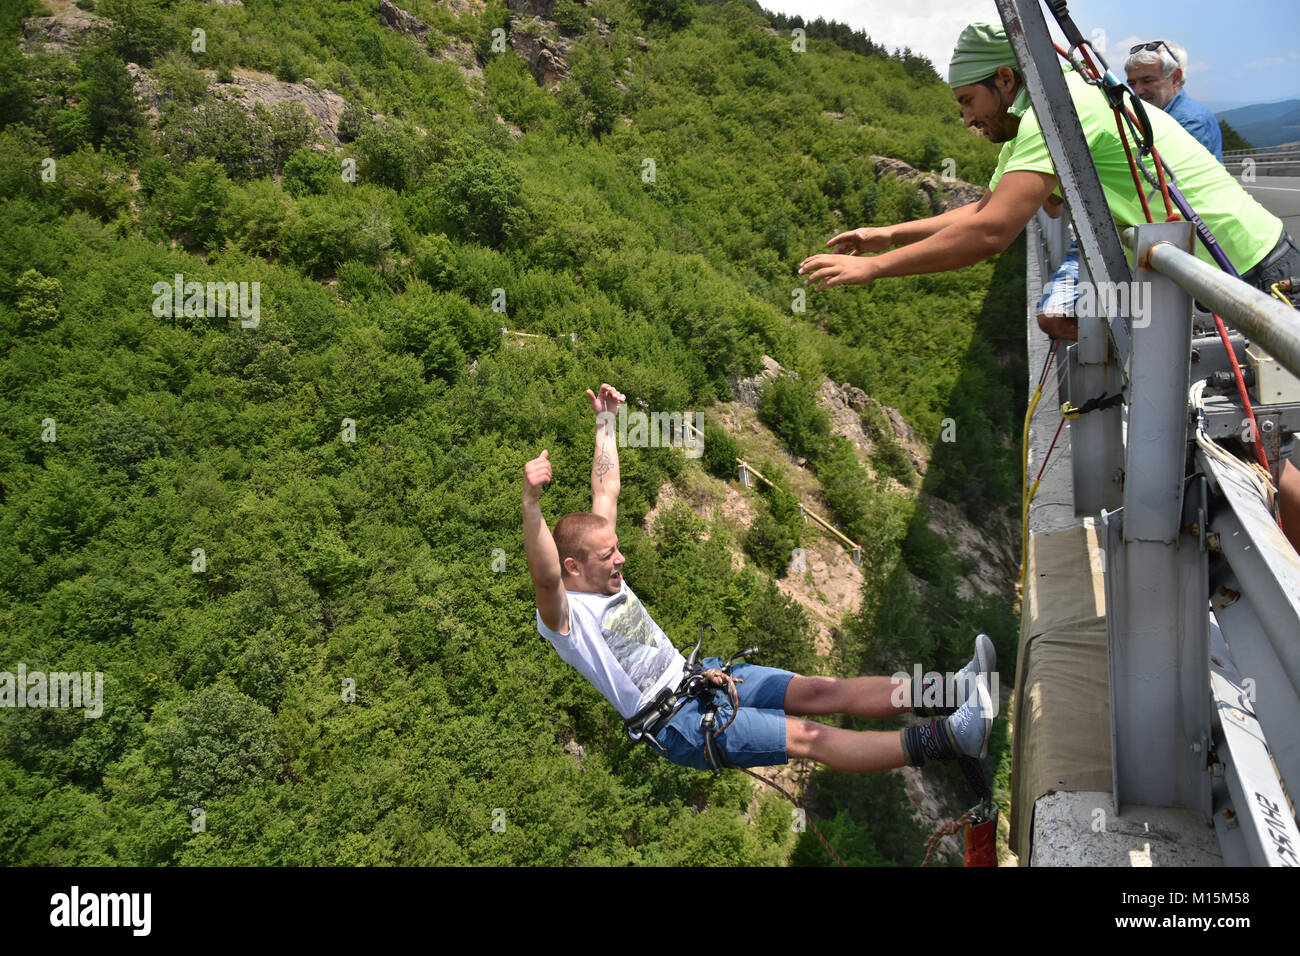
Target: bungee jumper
710, 714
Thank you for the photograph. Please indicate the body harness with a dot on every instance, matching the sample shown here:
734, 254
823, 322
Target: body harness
698, 684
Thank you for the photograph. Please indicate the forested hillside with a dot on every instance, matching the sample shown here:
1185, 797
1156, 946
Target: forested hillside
263, 434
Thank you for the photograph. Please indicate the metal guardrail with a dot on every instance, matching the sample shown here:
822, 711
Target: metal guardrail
1266, 161
1269, 151
1202, 591
1263, 318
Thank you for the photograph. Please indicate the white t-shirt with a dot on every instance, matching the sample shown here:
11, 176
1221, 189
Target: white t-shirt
614, 643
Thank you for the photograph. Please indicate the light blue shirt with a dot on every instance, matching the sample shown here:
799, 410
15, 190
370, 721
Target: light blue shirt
1197, 120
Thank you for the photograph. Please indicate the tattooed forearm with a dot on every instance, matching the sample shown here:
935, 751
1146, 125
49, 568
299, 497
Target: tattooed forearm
603, 464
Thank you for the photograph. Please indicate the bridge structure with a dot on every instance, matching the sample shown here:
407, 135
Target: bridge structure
1157, 707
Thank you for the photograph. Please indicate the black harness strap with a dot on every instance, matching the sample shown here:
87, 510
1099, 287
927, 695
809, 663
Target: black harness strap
654, 716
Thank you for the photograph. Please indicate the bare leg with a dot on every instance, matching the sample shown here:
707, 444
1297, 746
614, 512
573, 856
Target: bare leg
854, 751
854, 696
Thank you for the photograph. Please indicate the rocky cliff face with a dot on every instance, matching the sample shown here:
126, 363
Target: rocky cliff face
942, 196
457, 52
63, 31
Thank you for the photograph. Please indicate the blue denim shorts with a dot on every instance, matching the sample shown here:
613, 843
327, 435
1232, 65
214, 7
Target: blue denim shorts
1061, 291
756, 739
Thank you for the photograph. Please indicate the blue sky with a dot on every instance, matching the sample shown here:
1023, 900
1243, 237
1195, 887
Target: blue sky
1239, 52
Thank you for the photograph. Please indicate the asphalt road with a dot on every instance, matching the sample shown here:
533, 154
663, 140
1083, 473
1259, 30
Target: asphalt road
1280, 195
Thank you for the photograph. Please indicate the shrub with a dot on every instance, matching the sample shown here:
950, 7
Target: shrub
389, 156
484, 197
788, 407
720, 452
769, 544
307, 172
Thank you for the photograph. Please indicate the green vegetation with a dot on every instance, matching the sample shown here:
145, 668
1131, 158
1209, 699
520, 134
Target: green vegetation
291, 541
1232, 139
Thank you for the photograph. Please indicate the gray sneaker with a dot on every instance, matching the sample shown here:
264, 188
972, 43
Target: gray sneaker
971, 724
984, 662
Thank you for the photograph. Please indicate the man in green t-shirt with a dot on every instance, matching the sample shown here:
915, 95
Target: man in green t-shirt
994, 100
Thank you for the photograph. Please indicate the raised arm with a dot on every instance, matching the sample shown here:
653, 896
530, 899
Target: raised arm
539, 546
604, 465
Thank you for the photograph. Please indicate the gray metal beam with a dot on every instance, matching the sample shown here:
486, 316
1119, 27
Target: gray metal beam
1261, 317
1159, 376
1273, 699
1097, 438
1099, 243
1157, 629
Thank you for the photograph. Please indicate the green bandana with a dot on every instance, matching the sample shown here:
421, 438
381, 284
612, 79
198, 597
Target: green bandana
981, 49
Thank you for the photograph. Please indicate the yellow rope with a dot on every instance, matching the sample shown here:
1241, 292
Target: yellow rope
1027, 493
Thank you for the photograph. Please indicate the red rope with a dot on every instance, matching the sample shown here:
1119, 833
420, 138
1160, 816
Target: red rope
1132, 166
1241, 391
1050, 449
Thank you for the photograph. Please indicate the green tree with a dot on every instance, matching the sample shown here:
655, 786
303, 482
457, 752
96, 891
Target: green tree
589, 97
484, 198
673, 14
113, 116
307, 172
140, 28
200, 208
1232, 139
787, 406
218, 741
38, 300
389, 155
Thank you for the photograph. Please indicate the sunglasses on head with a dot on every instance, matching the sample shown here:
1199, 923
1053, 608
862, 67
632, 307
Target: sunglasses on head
1153, 46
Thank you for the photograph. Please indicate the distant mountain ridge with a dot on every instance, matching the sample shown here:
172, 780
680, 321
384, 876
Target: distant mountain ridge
1266, 124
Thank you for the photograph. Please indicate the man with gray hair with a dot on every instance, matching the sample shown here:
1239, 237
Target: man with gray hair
1157, 72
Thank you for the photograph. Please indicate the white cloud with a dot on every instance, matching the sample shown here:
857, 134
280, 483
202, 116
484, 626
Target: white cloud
1266, 62
930, 29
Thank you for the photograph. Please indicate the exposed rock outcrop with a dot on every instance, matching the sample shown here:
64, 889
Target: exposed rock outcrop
545, 55
63, 32
395, 18
458, 52
846, 403
748, 390
323, 106
249, 88
942, 196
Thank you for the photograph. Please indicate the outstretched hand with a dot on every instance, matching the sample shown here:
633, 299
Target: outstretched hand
537, 475
608, 400
866, 239
837, 270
